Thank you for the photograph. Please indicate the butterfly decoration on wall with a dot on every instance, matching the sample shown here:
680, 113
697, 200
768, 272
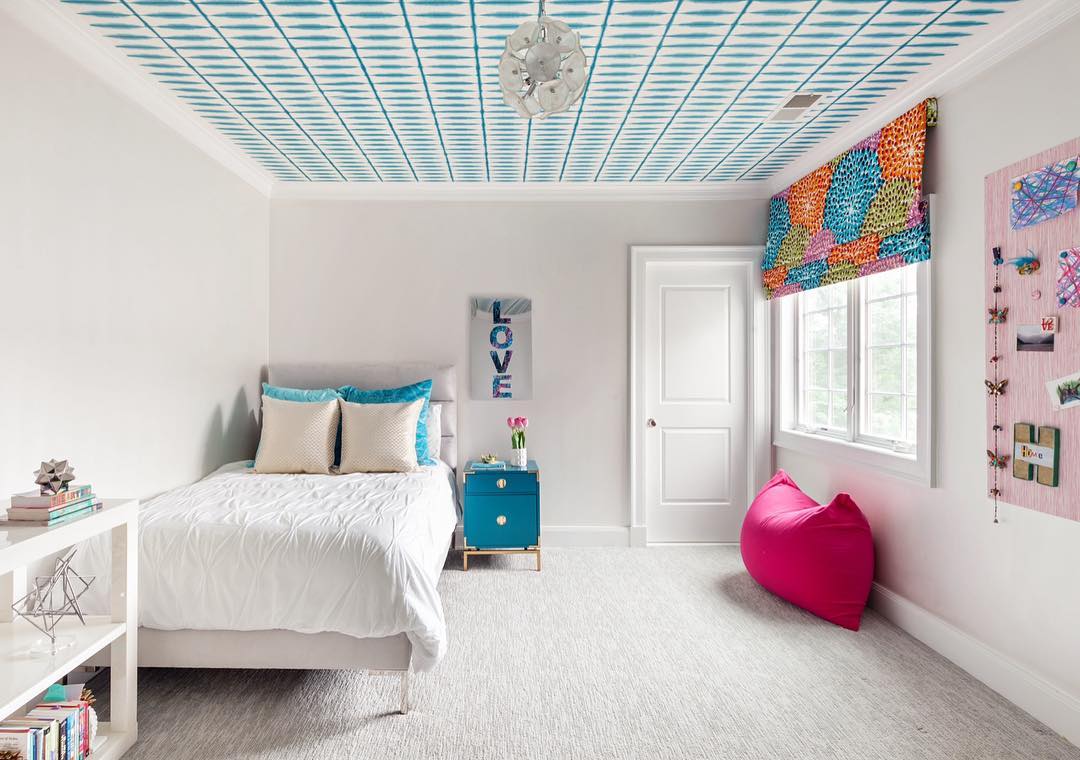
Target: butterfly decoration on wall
998, 315
996, 389
999, 461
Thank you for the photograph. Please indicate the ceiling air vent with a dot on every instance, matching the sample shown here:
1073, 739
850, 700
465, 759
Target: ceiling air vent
797, 105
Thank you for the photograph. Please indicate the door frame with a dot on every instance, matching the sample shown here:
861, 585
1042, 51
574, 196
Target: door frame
759, 390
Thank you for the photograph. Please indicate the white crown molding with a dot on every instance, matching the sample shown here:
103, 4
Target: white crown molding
1016, 28
1025, 688
521, 191
63, 29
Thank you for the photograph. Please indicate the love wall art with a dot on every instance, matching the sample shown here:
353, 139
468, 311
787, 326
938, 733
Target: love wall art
500, 349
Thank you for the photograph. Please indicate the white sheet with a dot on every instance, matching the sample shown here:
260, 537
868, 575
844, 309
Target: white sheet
356, 554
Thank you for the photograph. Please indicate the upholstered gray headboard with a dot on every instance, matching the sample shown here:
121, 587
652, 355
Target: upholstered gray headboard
376, 376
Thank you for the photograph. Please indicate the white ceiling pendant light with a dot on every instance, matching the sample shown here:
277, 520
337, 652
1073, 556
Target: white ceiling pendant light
542, 69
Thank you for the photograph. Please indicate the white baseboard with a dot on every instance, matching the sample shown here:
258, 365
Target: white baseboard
585, 535
573, 535
1044, 700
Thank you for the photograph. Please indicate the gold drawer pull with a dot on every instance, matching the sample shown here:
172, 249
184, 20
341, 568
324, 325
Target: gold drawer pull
501, 483
500, 520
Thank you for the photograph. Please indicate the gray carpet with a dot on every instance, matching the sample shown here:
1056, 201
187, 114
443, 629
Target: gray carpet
610, 653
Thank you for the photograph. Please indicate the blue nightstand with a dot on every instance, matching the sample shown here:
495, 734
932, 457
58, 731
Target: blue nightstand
502, 511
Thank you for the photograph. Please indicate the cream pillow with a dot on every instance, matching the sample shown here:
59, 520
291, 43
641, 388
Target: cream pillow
379, 437
297, 436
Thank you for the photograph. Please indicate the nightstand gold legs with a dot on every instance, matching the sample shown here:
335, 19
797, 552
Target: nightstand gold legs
470, 552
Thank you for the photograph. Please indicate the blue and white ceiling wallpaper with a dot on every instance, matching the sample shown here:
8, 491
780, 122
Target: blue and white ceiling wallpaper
408, 90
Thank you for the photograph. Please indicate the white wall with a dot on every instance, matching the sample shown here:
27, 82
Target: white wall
133, 305
390, 281
1014, 585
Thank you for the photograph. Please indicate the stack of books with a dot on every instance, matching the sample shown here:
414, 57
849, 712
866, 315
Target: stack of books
58, 730
33, 508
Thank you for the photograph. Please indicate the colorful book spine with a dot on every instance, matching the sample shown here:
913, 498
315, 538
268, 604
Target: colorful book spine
89, 510
75, 726
36, 499
49, 748
49, 513
20, 739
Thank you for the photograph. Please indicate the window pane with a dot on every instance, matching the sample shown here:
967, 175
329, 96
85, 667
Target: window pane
885, 416
814, 300
885, 370
817, 408
817, 330
838, 328
839, 370
884, 322
911, 376
838, 294
911, 306
886, 284
912, 419
838, 418
911, 282
817, 369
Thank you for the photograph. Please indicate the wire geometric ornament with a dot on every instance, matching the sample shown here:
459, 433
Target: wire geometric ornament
40, 608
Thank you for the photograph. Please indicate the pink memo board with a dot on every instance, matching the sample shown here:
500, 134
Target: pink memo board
1026, 398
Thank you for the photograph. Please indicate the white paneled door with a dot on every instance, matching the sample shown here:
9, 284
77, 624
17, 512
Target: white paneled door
694, 399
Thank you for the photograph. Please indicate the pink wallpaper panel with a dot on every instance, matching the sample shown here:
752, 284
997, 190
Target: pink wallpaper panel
1026, 398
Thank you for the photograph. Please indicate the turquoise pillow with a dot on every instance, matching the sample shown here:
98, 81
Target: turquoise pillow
414, 392
299, 394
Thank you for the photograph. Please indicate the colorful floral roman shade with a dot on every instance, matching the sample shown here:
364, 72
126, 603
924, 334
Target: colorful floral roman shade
861, 213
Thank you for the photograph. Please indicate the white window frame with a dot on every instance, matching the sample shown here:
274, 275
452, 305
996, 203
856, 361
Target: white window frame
853, 447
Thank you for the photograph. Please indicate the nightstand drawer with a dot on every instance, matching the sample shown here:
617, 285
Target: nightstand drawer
501, 481
501, 522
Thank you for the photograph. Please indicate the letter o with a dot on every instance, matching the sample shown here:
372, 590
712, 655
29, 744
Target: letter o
504, 333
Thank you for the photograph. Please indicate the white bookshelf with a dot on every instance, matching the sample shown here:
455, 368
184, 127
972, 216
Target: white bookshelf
23, 677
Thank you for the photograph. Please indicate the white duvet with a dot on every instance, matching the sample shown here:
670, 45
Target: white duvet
355, 554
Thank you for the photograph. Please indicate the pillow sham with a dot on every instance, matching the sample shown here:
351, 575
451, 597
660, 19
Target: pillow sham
297, 436
434, 431
299, 394
379, 437
404, 394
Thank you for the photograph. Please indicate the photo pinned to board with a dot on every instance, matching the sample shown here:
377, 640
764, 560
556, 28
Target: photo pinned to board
1065, 391
1032, 338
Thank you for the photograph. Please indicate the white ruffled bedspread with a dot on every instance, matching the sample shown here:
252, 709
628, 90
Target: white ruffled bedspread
355, 554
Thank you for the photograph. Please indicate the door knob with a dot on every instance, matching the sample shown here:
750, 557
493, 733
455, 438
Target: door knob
651, 422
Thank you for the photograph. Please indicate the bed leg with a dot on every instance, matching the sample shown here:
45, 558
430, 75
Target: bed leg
405, 692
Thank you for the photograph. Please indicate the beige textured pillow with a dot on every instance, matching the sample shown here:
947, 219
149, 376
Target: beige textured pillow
379, 437
297, 436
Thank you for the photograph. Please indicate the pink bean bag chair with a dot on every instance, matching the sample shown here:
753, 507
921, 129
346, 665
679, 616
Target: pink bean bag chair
817, 556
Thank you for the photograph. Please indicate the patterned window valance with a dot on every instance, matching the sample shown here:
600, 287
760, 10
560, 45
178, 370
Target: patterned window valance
861, 213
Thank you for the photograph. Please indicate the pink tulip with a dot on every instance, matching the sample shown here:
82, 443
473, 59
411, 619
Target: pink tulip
509, 421
524, 422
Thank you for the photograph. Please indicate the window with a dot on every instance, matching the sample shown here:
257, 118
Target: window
854, 360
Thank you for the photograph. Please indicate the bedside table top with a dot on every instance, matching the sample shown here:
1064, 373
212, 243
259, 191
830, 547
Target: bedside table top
532, 468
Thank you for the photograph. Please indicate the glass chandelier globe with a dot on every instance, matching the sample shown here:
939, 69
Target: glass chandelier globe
543, 69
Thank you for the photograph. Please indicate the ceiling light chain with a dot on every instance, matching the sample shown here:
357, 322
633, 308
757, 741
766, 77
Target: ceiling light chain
543, 68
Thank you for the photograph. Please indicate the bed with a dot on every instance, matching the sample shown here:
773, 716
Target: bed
320, 571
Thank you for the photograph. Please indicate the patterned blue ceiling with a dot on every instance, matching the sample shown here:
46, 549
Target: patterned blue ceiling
408, 90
